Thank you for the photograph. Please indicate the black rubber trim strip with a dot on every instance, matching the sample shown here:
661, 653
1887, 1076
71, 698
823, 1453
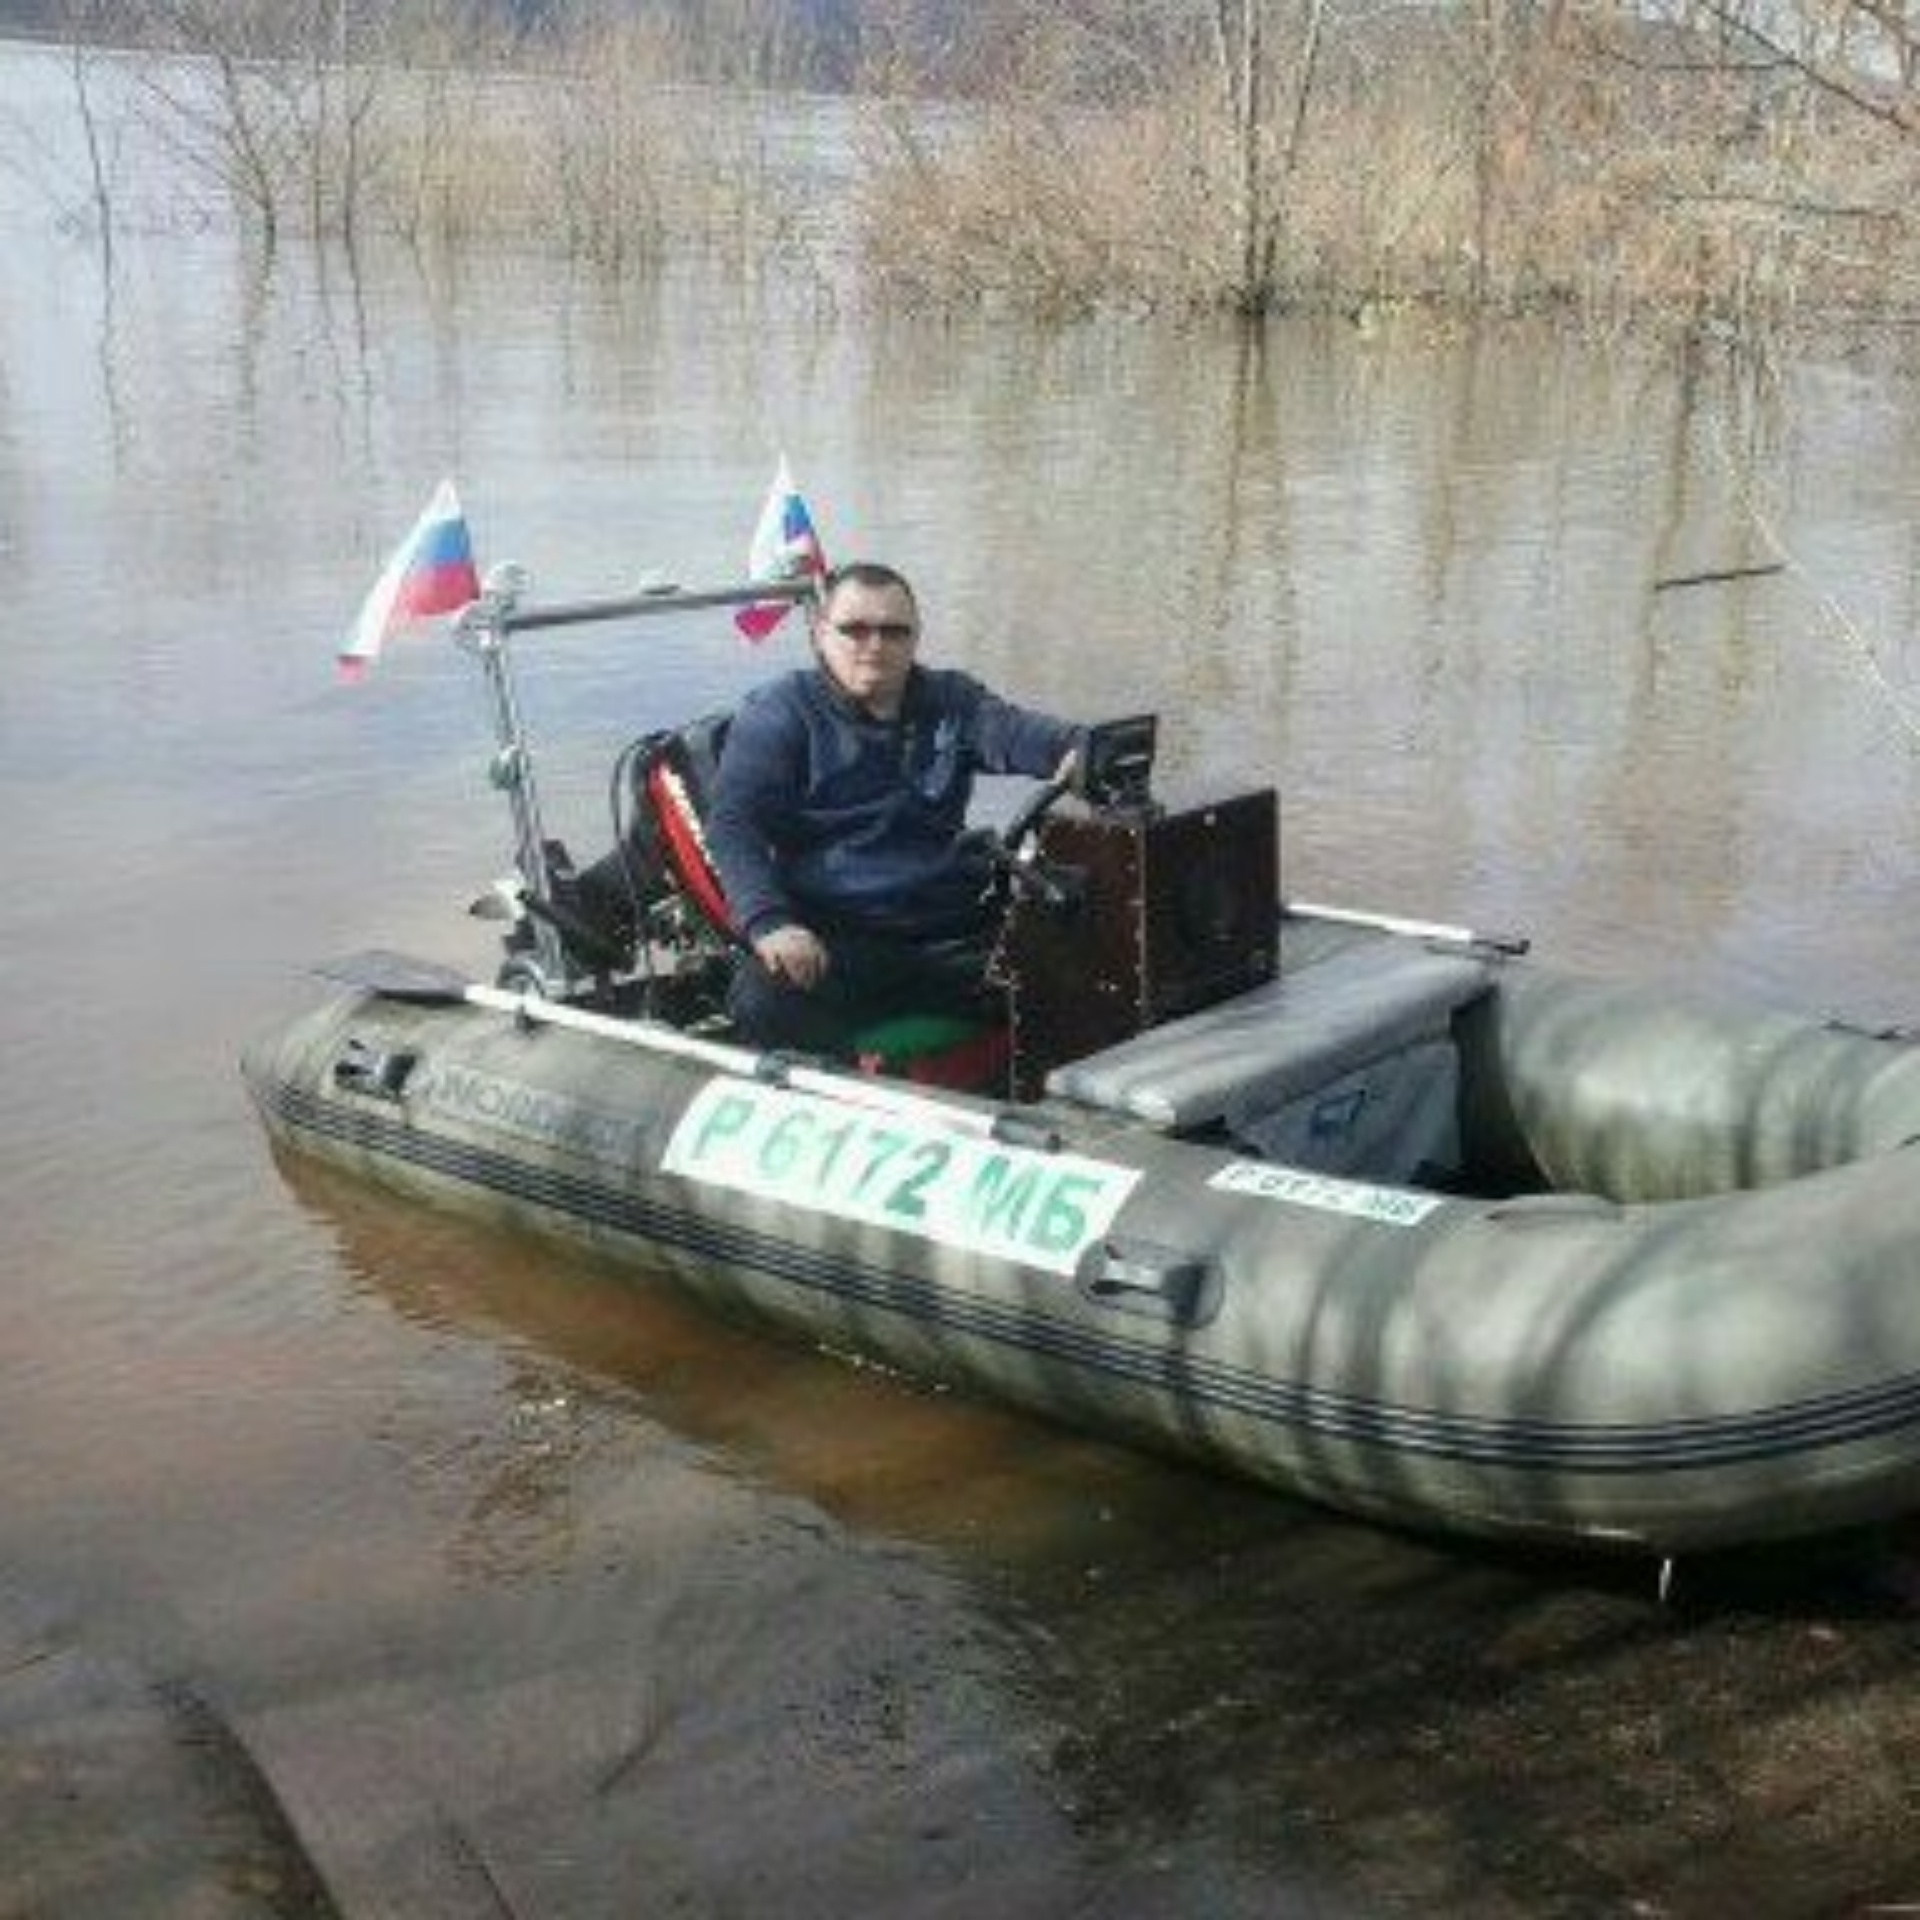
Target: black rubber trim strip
1834, 1420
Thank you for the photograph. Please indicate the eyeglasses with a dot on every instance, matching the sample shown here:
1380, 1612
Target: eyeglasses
895, 632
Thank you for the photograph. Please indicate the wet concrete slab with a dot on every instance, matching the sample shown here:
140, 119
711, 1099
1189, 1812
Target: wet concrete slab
358, 1788
124, 1796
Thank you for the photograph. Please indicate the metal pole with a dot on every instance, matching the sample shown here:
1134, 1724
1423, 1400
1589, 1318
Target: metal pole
483, 630
644, 602
1507, 943
770, 1069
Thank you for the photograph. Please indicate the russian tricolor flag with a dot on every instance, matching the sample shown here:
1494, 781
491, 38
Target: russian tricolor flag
431, 572
785, 546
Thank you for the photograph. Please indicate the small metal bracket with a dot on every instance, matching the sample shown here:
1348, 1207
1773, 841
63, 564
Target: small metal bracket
366, 1070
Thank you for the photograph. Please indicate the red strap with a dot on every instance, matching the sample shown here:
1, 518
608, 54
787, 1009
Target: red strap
686, 845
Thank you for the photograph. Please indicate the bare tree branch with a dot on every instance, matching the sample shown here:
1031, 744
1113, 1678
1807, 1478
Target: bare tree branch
1894, 114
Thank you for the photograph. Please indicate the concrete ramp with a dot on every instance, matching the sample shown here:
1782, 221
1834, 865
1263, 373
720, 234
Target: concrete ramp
124, 1796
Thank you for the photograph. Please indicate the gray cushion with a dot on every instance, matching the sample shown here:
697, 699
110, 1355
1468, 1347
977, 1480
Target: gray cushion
1281, 1040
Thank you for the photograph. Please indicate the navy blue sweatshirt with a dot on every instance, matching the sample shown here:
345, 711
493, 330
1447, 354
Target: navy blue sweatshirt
827, 818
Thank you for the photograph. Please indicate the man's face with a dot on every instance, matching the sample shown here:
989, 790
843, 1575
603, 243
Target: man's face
867, 636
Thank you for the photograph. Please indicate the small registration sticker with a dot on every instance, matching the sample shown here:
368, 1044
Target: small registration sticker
1390, 1206
892, 1170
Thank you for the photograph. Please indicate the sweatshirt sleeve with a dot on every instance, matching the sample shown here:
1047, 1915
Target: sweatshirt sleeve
1011, 739
761, 772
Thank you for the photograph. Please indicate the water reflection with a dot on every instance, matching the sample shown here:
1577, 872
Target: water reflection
1213, 1699
108, 350
876, 1452
679, 1592
607, 1572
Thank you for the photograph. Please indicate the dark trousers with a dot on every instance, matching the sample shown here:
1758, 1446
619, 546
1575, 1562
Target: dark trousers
869, 977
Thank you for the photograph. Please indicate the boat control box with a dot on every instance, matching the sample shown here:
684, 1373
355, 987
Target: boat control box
1164, 913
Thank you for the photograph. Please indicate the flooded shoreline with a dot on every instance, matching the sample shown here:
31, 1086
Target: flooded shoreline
1677, 179
1062, 1672
649, 1608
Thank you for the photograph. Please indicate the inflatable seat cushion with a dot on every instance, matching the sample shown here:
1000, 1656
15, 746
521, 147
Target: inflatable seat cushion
1284, 1039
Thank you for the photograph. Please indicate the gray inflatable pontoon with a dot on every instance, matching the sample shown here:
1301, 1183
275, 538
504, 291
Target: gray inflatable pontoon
1435, 1236
1415, 1226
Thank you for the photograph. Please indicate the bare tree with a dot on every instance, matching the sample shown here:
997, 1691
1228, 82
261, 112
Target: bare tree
84, 193
274, 101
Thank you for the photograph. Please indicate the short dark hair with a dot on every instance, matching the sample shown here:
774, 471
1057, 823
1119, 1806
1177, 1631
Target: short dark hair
866, 573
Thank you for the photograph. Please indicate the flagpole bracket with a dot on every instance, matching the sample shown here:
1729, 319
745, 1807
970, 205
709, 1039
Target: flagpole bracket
506, 581
483, 630
483, 625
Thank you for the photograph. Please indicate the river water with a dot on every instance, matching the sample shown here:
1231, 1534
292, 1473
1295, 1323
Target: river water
489, 1551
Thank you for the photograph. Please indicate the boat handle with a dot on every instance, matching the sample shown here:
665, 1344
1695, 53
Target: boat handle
380, 1076
1157, 1282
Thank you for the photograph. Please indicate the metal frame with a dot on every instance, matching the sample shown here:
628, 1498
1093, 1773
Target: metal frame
485, 630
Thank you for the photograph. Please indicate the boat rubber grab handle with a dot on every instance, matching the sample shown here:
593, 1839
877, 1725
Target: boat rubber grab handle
1146, 1278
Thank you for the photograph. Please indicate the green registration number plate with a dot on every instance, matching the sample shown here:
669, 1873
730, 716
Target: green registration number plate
1040, 1209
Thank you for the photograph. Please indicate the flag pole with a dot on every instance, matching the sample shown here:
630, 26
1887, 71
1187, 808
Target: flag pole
483, 630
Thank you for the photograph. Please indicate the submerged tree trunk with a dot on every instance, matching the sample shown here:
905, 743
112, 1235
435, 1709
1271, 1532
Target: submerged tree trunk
98, 177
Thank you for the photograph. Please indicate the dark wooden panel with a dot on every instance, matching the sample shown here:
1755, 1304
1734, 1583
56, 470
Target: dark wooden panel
1172, 912
1212, 910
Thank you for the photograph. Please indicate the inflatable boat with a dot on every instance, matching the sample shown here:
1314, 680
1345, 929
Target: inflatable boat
1387, 1215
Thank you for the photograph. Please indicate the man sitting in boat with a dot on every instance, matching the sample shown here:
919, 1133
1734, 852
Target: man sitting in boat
838, 818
